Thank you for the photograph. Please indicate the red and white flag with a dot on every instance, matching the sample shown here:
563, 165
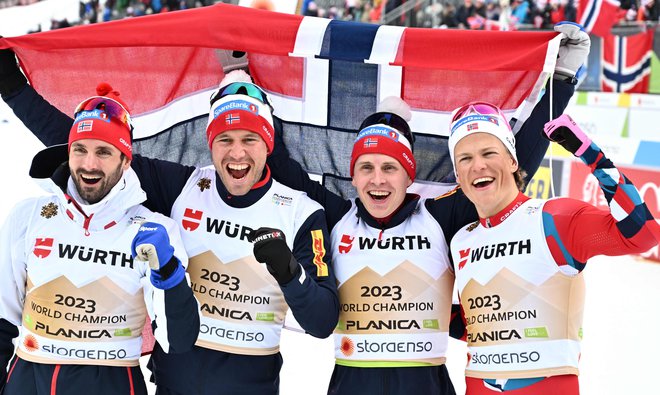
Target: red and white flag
598, 16
626, 63
323, 76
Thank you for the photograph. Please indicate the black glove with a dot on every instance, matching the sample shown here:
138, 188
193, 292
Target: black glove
11, 78
270, 248
565, 132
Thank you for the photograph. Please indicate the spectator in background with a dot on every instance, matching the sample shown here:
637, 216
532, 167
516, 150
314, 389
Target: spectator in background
507, 22
463, 12
448, 17
570, 12
649, 11
520, 11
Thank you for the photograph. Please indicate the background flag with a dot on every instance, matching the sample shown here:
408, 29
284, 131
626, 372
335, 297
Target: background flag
626, 64
323, 76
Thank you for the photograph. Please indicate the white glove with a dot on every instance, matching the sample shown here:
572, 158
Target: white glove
573, 49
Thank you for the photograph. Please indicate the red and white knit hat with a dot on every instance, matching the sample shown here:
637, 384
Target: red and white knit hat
387, 132
103, 117
240, 104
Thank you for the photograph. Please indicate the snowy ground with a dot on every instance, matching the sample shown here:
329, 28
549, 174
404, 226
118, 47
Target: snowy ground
621, 347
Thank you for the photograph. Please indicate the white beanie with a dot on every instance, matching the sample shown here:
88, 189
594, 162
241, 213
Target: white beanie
493, 124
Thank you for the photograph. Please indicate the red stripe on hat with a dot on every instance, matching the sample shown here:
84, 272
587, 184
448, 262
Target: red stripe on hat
374, 144
243, 120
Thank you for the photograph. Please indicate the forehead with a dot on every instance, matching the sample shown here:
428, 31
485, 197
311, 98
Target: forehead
94, 144
238, 133
376, 159
477, 141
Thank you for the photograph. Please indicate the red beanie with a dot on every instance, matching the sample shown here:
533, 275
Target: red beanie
104, 117
384, 139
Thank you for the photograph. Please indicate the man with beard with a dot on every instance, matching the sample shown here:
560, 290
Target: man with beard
71, 281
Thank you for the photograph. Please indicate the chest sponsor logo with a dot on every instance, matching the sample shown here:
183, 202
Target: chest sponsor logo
346, 244
85, 254
382, 325
282, 200
493, 251
410, 242
349, 347
43, 247
30, 343
191, 219
231, 230
493, 336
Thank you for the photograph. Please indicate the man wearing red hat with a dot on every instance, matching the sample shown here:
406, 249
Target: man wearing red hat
84, 266
244, 275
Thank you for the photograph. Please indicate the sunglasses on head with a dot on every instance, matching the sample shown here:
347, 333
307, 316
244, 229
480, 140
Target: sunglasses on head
392, 120
476, 107
241, 88
107, 108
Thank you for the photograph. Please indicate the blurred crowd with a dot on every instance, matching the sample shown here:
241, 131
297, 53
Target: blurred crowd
474, 14
461, 14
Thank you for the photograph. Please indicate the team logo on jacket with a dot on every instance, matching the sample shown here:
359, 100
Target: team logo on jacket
346, 244
347, 346
43, 247
191, 219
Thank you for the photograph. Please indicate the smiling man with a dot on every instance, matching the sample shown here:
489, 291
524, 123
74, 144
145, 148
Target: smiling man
71, 282
523, 258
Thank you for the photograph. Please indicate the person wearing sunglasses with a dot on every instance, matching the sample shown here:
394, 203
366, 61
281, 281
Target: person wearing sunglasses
86, 264
256, 247
522, 261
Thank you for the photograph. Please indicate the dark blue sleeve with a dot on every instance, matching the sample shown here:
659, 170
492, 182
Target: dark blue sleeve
453, 210
290, 173
163, 181
47, 123
531, 146
8, 332
182, 315
314, 302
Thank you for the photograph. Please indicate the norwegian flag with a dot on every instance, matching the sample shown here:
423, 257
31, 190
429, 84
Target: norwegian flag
232, 118
626, 63
370, 142
322, 76
85, 126
598, 16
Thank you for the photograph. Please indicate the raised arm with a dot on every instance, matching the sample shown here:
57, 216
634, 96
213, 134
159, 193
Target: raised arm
576, 230
290, 173
573, 52
530, 146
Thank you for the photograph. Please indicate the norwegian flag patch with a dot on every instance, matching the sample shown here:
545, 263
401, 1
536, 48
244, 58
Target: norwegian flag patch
85, 126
